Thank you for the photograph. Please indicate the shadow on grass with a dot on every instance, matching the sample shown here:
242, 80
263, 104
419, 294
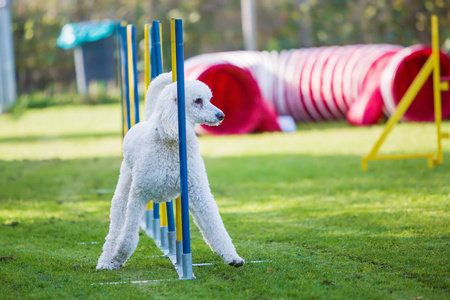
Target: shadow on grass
45, 138
54, 180
241, 180
322, 125
316, 176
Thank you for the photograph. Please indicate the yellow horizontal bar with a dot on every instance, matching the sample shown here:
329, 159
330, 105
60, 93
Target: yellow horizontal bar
400, 156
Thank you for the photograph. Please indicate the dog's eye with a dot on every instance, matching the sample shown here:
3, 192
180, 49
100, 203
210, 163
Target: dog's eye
198, 101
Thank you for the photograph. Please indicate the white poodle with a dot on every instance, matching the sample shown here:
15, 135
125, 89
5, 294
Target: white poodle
150, 171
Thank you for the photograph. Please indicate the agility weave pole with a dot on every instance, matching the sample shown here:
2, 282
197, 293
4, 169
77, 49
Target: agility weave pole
431, 67
179, 50
128, 76
159, 221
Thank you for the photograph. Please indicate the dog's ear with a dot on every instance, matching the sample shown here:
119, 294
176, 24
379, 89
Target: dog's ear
168, 114
154, 90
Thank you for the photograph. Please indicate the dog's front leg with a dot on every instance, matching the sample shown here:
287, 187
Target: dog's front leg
206, 216
117, 216
129, 236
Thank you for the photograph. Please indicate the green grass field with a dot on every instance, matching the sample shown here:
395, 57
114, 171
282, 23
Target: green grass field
298, 201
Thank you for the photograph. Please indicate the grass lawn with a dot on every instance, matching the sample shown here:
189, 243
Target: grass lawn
298, 201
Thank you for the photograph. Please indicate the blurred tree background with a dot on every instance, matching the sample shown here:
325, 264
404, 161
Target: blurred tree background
215, 25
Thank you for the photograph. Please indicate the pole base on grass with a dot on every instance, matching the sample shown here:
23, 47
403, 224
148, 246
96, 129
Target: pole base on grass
149, 219
187, 267
176, 258
156, 231
172, 235
164, 238
179, 245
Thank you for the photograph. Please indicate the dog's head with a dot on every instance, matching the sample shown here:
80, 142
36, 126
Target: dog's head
199, 109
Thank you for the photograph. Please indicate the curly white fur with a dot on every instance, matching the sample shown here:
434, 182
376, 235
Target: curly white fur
150, 171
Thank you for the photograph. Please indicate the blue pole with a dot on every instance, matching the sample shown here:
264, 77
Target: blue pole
171, 233
155, 211
152, 55
182, 135
120, 74
135, 72
156, 222
170, 218
156, 69
123, 56
157, 47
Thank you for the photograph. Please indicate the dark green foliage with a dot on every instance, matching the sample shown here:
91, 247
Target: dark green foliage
216, 26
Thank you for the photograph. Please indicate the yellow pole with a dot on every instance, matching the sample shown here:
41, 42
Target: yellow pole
172, 48
160, 38
436, 85
150, 205
178, 219
147, 56
130, 74
125, 114
163, 214
431, 66
404, 103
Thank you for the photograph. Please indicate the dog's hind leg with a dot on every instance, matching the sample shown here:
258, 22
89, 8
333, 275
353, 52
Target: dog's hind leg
129, 235
206, 216
117, 216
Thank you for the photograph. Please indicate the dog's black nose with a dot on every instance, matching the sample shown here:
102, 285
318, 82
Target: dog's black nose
220, 116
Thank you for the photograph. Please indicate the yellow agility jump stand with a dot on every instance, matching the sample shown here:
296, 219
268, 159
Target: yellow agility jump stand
432, 65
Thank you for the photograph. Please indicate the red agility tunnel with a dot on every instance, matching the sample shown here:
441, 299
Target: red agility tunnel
357, 82
398, 76
238, 95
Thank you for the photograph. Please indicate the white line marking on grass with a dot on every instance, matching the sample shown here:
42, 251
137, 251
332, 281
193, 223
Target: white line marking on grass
158, 280
132, 282
202, 264
259, 261
248, 262
88, 243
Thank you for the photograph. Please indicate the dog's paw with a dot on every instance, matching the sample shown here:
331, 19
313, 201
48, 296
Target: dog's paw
237, 263
233, 260
102, 266
108, 266
105, 267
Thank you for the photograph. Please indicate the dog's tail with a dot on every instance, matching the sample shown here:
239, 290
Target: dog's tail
155, 88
